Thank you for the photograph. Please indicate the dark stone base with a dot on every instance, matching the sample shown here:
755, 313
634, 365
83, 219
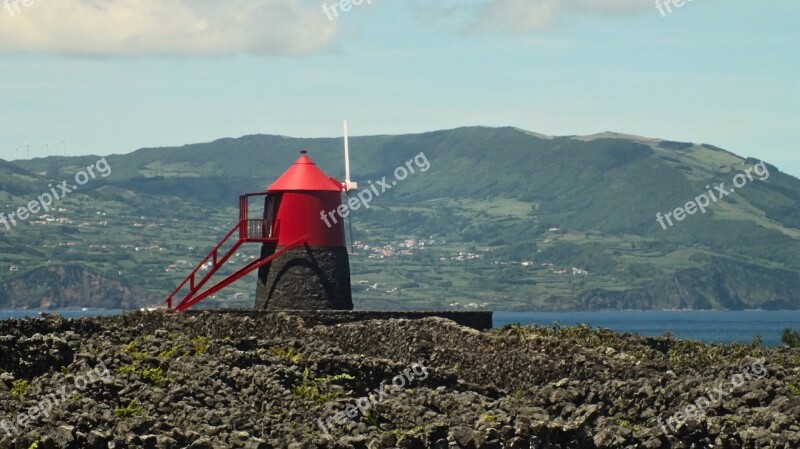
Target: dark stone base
305, 278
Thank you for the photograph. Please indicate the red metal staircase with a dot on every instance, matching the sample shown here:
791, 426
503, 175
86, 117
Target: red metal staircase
247, 230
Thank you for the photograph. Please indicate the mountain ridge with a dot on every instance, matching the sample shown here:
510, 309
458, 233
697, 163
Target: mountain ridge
501, 191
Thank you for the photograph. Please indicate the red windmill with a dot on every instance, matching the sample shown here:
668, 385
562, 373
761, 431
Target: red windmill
304, 262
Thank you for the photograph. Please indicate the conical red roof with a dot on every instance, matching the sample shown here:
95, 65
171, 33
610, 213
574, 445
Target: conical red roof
305, 175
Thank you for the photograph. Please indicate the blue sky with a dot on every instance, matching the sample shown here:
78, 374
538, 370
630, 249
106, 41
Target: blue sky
114, 76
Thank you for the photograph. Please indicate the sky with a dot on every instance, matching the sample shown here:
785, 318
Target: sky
111, 76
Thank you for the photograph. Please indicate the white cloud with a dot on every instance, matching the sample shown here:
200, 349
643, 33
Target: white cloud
527, 16
106, 28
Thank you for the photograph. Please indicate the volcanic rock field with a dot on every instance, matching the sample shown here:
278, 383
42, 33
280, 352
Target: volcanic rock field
207, 380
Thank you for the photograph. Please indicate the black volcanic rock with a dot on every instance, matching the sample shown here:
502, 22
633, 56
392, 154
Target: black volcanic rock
211, 380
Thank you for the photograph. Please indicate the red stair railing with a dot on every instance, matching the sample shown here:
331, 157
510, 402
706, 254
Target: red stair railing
260, 230
193, 299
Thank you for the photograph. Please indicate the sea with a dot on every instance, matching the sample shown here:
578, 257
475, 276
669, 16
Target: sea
705, 326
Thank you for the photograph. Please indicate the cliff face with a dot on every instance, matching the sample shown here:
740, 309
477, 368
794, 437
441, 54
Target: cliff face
722, 284
209, 380
55, 287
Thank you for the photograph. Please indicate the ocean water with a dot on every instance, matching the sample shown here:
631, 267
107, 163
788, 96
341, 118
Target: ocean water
709, 327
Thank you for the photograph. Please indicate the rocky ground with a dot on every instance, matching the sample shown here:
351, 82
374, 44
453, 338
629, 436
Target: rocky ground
163, 380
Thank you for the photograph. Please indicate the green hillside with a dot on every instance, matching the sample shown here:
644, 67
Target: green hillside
503, 219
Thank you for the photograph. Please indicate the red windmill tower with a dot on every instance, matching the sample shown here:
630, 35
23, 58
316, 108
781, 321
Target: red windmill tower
304, 263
